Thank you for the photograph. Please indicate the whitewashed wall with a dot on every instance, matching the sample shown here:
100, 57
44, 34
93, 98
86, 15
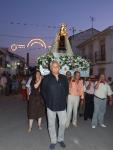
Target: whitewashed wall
108, 65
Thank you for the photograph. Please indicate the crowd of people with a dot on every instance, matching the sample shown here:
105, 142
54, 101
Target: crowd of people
13, 84
65, 96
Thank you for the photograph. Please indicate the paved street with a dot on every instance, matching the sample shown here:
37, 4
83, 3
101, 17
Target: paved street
14, 136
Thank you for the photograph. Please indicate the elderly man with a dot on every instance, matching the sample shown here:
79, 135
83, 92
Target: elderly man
55, 91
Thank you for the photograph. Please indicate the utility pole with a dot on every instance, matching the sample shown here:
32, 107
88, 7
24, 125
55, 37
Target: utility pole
27, 63
27, 59
92, 23
73, 30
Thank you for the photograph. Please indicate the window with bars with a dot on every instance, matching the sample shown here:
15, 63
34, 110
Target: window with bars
103, 52
100, 55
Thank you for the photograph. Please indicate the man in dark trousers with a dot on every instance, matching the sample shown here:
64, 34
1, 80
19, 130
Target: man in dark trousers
55, 90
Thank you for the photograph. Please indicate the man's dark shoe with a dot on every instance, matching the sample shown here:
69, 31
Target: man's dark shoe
62, 144
52, 146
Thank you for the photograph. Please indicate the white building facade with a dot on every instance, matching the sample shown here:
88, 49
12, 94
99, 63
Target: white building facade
99, 50
79, 38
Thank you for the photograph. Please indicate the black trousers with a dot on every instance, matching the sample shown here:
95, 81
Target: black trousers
89, 106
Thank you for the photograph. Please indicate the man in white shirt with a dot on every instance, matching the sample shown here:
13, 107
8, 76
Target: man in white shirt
102, 90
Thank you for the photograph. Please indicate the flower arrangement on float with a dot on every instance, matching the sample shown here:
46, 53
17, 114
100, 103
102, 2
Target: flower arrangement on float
71, 62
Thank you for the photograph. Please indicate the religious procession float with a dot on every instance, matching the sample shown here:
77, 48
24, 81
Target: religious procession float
62, 52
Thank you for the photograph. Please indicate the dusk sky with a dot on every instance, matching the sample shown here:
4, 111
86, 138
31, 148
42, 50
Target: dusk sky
23, 20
